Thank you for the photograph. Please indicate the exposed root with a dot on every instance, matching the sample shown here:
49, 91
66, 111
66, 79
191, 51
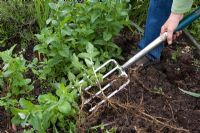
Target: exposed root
149, 117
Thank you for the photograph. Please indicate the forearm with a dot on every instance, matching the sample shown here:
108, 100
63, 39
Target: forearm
181, 6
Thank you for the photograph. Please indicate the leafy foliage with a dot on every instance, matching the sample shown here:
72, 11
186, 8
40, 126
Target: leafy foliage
42, 11
79, 35
139, 7
50, 110
195, 27
7, 102
16, 22
12, 74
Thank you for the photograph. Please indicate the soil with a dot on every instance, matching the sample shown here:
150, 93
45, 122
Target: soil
153, 102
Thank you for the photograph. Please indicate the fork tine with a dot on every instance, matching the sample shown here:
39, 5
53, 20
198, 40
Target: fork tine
109, 96
116, 68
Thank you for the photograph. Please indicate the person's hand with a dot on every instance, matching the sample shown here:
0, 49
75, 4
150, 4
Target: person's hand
170, 25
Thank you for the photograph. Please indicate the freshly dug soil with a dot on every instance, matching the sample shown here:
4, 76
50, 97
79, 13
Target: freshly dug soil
153, 102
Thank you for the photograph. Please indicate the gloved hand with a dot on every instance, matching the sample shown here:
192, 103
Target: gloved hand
170, 25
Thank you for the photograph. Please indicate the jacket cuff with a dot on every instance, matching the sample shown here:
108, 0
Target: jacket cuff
181, 6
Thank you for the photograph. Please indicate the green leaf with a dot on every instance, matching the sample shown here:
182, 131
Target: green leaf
89, 63
46, 98
48, 21
62, 90
25, 104
197, 95
64, 51
37, 48
84, 55
27, 81
55, 129
76, 63
107, 36
100, 42
50, 39
94, 16
53, 6
1, 83
16, 120
124, 13
66, 32
64, 107
7, 73
35, 121
90, 48
71, 76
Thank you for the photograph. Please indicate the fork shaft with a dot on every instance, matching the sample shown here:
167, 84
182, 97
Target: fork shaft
146, 50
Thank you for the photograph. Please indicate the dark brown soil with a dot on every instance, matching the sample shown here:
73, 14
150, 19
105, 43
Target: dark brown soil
4, 121
152, 102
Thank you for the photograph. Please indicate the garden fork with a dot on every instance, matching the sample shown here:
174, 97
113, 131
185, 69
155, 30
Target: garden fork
121, 69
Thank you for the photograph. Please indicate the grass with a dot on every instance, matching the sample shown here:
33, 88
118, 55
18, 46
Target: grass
16, 22
42, 11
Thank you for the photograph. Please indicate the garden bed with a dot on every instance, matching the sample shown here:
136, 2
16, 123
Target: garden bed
47, 47
152, 102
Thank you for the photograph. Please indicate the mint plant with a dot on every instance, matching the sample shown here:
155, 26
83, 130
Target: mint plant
12, 77
58, 111
79, 35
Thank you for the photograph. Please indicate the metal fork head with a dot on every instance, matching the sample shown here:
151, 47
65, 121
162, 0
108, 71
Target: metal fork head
106, 91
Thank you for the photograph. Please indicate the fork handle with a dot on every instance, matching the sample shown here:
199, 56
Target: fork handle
184, 23
188, 19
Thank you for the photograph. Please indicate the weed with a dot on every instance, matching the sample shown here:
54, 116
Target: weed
16, 22
176, 54
12, 74
78, 32
195, 26
139, 7
7, 102
53, 110
42, 11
